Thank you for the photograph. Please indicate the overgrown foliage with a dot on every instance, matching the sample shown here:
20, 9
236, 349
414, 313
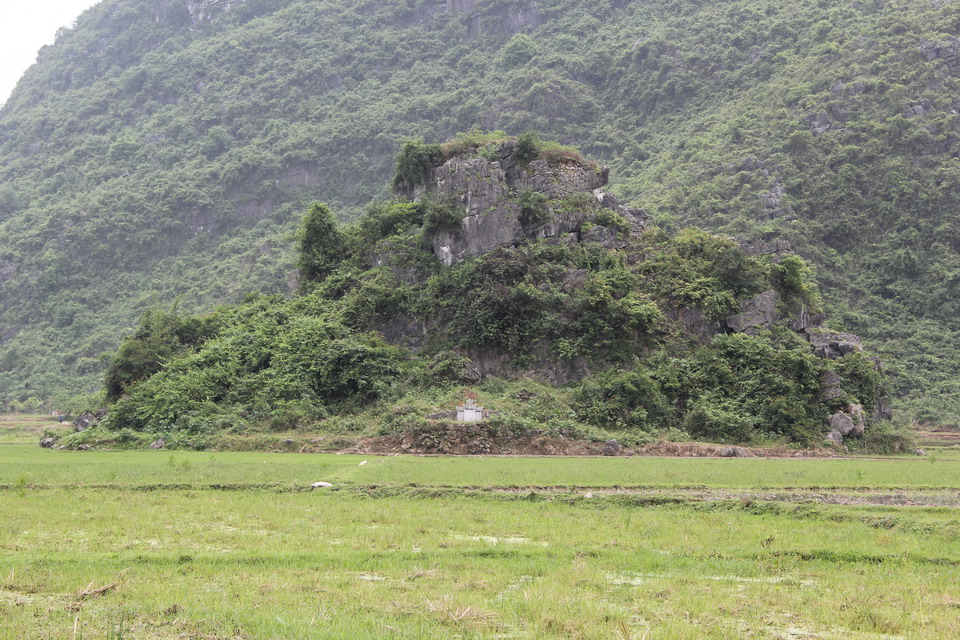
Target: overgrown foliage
152, 153
317, 359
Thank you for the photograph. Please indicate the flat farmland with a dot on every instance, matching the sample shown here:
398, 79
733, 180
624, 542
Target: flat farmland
197, 545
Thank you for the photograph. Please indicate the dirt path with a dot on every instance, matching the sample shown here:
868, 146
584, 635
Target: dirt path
921, 498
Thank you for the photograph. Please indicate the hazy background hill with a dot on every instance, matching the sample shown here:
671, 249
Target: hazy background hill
164, 149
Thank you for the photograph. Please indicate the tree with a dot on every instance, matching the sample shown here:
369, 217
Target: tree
320, 243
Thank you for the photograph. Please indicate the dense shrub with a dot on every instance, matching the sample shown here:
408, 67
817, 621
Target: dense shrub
533, 207
414, 162
628, 399
320, 243
440, 216
714, 420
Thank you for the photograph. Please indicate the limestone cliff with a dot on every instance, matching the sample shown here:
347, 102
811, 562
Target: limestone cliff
506, 201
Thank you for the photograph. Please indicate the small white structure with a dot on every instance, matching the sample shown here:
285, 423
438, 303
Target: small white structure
469, 412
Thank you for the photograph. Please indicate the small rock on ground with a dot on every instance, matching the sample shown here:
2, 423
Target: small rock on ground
612, 448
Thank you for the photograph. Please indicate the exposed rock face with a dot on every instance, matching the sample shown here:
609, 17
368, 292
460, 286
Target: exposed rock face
883, 410
948, 52
7, 270
833, 344
159, 443
755, 314
773, 248
201, 10
831, 384
696, 322
489, 190
772, 203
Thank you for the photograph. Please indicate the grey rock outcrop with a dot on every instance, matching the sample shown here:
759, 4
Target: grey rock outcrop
85, 421
948, 52
772, 203
47, 443
845, 423
7, 270
883, 410
830, 383
159, 443
759, 312
489, 191
201, 10
773, 248
833, 344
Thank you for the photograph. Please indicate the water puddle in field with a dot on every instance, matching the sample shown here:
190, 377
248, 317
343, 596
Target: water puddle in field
371, 577
495, 540
514, 587
784, 630
637, 579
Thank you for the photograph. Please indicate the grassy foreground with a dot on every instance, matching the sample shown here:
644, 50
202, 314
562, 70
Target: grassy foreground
93, 546
31, 465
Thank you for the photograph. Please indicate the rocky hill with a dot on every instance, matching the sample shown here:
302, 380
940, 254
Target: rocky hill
510, 278
165, 149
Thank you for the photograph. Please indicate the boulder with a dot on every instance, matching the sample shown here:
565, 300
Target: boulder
855, 411
734, 452
88, 419
835, 438
920, 452
612, 448
47, 443
841, 423
320, 485
159, 443
847, 422
84, 422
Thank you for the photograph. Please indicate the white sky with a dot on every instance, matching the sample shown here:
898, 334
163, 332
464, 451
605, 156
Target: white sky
27, 25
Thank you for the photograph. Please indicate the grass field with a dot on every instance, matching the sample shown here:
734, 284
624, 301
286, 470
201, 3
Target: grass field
24, 429
234, 545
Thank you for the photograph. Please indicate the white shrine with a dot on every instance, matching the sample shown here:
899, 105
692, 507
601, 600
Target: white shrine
469, 412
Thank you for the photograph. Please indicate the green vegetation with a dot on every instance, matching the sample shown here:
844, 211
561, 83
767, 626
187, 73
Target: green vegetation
317, 363
320, 245
28, 429
237, 545
152, 154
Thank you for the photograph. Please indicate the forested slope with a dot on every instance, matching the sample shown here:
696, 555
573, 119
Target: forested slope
165, 148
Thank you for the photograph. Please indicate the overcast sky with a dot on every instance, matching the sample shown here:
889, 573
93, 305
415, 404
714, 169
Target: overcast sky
27, 25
